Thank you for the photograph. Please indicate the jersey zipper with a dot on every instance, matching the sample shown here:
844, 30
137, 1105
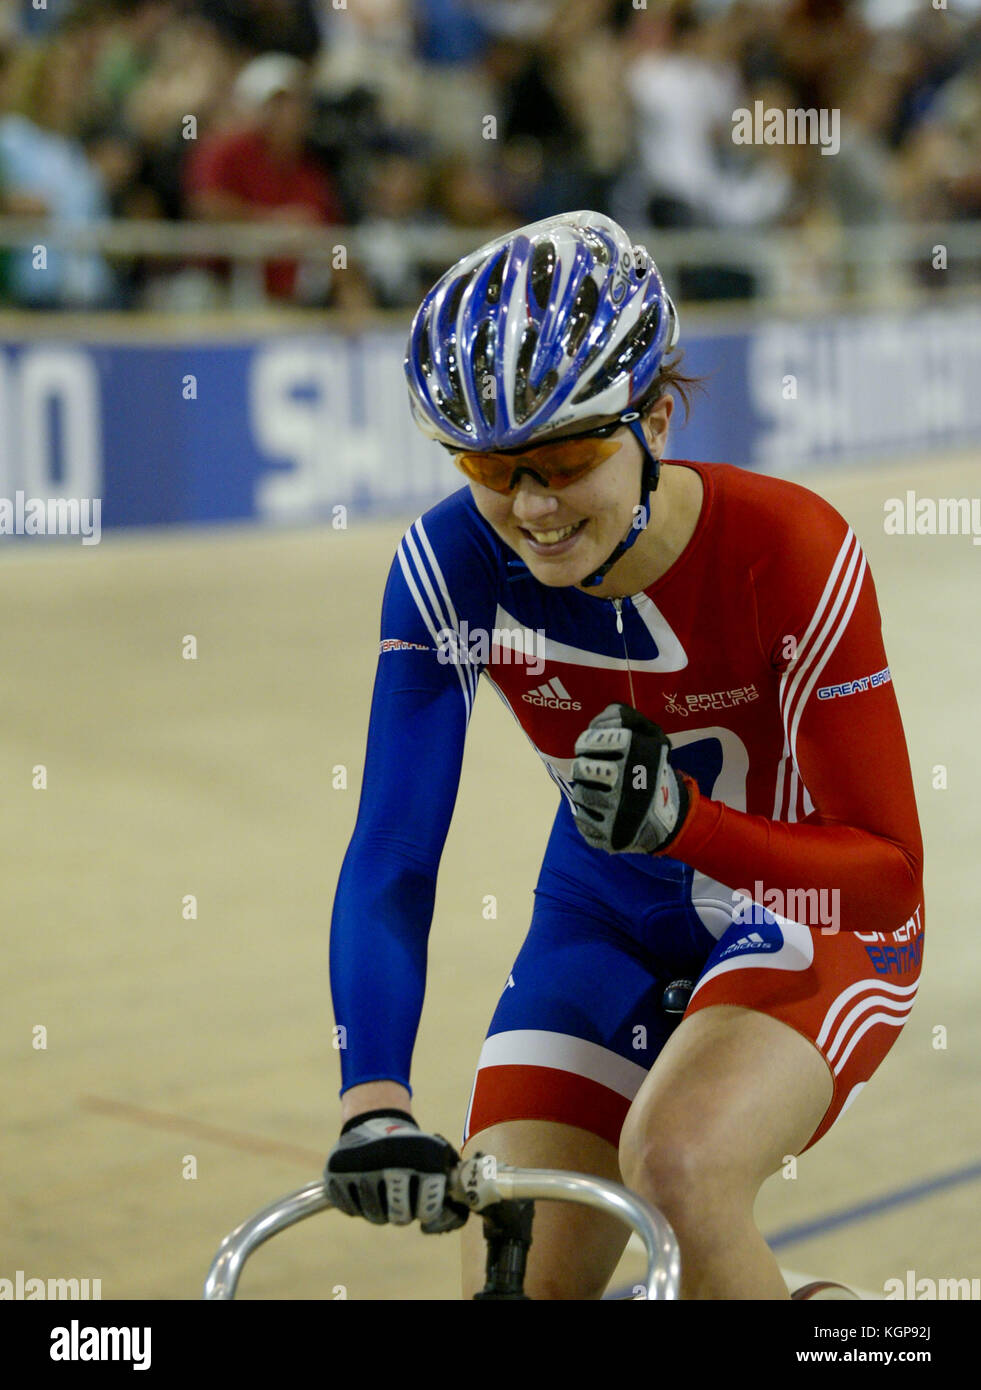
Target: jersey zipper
618, 606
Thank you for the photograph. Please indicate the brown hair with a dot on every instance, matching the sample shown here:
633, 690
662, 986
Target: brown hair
670, 378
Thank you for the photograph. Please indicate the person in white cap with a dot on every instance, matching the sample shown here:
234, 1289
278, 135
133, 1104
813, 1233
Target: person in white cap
262, 170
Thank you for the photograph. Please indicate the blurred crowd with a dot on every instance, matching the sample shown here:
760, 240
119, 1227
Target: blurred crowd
401, 118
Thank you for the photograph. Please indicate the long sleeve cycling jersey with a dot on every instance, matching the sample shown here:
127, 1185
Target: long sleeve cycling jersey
759, 653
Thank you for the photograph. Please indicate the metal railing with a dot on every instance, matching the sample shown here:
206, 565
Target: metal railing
853, 245
841, 259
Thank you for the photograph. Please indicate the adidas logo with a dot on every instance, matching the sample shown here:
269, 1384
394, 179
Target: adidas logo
552, 695
746, 943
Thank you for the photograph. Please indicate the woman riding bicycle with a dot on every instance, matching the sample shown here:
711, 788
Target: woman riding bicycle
736, 835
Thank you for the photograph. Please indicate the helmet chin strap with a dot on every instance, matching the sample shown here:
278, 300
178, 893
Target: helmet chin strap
650, 476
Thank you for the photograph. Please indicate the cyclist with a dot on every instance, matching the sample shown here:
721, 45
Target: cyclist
695, 653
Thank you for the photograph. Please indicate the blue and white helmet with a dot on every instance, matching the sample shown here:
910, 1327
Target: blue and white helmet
556, 328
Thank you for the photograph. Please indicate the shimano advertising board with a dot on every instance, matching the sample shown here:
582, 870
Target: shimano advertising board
287, 428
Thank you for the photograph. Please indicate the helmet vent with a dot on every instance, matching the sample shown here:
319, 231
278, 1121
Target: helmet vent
493, 290
526, 397
522, 393
453, 303
542, 272
483, 369
597, 245
425, 356
581, 316
453, 406
631, 350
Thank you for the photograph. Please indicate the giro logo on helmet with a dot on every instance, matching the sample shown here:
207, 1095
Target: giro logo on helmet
630, 260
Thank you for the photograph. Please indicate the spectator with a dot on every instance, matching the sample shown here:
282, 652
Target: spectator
536, 129
349, 132
261, 170
192, 74
395, 219
465, 193
128, 48
941, 161
129, 109
684, 95
46, 173
366, 55
825, 49
688, 173
451, 37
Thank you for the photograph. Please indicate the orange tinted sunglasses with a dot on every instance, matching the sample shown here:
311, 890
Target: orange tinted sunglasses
556, 465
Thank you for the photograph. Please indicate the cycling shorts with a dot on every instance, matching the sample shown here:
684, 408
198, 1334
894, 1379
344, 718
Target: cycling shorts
581, 1020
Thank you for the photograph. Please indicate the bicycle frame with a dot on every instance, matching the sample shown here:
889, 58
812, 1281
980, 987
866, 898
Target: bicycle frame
479, 1182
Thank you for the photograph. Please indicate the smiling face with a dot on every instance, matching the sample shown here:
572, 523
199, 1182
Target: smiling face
564, 534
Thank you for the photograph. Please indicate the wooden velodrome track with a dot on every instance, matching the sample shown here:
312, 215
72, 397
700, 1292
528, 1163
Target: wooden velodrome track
211, 1037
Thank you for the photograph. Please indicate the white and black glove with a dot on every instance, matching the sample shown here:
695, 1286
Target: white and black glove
385, 1169
628, 798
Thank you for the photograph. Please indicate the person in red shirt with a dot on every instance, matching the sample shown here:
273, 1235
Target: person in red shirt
261, 170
